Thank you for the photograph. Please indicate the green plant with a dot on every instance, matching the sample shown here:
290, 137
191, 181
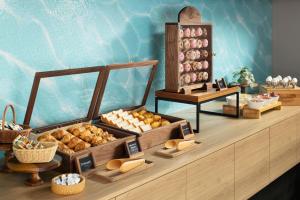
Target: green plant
244, 76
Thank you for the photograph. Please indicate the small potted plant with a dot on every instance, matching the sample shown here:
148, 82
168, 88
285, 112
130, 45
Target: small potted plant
245, 77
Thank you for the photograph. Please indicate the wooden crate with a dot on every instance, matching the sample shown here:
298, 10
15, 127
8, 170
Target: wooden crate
102, 153
189, 18
250, 113
152, 137
288, 96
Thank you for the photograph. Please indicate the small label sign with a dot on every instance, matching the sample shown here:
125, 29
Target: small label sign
133, 148
186, 130
84, 163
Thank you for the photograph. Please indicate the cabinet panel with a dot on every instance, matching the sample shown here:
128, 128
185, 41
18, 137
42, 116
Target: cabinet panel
251, 164
212, 177
298, 137
283, 150
169, 187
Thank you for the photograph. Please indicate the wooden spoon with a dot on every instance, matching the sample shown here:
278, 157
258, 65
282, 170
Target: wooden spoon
184, 144
124, 165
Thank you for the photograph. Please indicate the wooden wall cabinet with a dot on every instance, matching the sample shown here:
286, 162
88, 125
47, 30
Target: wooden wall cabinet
251, 164
212, 177
283, 147
169, 187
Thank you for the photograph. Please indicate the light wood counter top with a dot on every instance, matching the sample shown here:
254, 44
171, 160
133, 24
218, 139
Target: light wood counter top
216, 133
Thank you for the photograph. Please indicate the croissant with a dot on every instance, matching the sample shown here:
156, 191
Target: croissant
73, 142
76, 132
59, 134
81, 146
67, 138
85, 134
46, 138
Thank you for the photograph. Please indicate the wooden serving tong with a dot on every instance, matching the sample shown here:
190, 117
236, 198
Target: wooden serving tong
124, 165
179, 144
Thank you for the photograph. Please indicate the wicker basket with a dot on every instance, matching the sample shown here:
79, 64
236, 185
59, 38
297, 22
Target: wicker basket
68, 189
36, 155
8, 136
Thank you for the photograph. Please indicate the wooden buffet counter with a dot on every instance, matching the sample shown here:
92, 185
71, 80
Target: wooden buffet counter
237, 158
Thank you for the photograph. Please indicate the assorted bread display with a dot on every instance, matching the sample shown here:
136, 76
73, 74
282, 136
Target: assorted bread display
23, 142
193, 63
77, 138
10, 126
135, 121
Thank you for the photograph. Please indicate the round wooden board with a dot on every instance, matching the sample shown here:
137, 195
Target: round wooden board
189, 15
33, 169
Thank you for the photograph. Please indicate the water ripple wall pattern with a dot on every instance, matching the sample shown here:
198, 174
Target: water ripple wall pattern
40, 35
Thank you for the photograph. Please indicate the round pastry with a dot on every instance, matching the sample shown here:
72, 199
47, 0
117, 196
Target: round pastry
205, 64
193, 55
186, 43
141, 117
194, 66
67, 138
165, 123
187, 32
181, 57
155, 124
199, 43
59, 134
187, 79
193, 43
193, 77
157, 118
205, 43
148, 120
187, 66
204, 32
193, 32
205, 76
181, 69
198, 54
142, 112
199, 65
200, 76
188, 55
182, 81
180, 33
204, 53
148, 115
199, 32
135, 114
180, 44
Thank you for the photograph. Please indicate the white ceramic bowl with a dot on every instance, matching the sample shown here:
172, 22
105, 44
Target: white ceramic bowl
256, 104
231, 100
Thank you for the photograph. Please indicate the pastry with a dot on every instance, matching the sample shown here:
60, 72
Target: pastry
205, 64
205, 76
193, 43
205, 43
165, 123
59, 134
155, 124
198, 54
204, 53
81, 146
193, 77
199, 43
187, 79
181, 57
76, 132
199, 65
67, 138
85, 134
148, 120
193, 32
181, 69
148, 115
198, 31
187, 32
46, 138
73, 142
180, 33
186, 44
200, 76
157, 118
204, 32
180, 44
186, 66
192, 55
194, 66
135, 114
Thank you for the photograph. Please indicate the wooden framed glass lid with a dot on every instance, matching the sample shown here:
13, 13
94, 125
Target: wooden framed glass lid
125, 86
63, 97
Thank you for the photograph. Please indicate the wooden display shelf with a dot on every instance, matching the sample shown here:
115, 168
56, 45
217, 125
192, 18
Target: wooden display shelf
288, 96
231, 110
116, 175
250, 113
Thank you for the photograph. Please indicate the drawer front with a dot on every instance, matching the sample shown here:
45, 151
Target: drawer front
212, 177
251, 164
283, 147
169, 187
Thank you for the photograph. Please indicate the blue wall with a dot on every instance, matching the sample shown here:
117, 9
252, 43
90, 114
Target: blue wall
39, 35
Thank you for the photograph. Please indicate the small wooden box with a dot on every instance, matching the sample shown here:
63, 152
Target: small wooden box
288, 96
190, 73
102, 153
154, 136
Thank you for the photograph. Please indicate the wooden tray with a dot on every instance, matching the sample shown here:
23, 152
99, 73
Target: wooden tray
115, 175
231, 110
256, 113
171, 153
